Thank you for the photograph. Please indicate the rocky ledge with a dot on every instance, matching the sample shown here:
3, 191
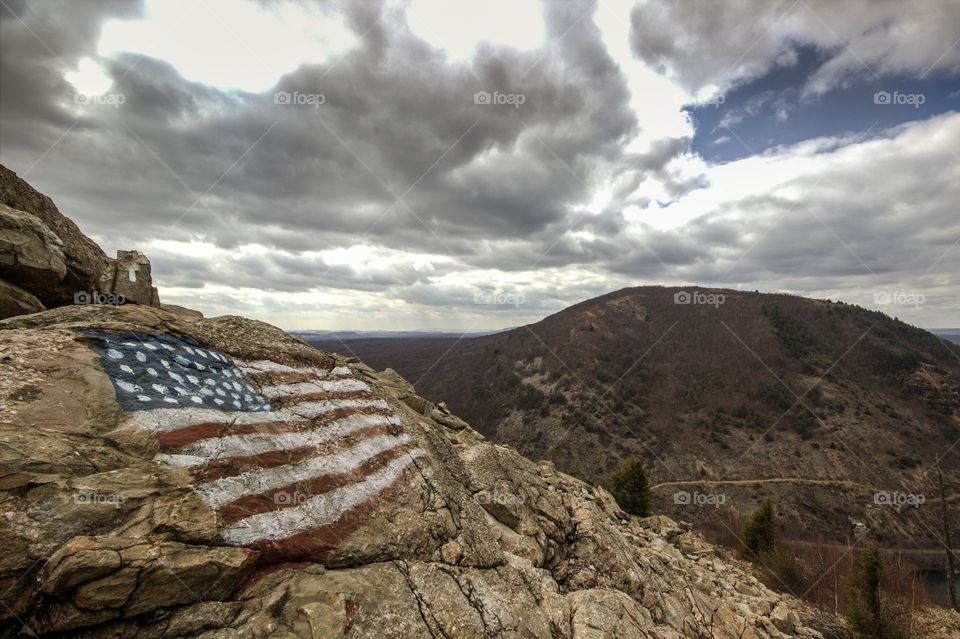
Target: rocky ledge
47, 262
165, 475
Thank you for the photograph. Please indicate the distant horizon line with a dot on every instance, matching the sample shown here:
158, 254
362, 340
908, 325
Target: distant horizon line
484, 332
411, 330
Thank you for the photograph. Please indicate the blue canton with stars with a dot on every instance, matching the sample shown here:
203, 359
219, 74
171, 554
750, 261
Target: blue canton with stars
163, 371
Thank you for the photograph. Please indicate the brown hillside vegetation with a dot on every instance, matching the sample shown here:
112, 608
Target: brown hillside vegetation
834, 412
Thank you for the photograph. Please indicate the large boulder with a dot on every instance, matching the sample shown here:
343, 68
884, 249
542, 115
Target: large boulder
16, 301
129, 276
45, 254
30, 253
84, 260
172, 476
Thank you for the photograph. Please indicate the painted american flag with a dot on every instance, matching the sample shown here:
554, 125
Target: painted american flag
290, 457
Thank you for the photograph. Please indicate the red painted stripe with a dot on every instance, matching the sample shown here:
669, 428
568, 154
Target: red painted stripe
286, 402
318, 544
233, 466
265, 502
174, 439
273, 378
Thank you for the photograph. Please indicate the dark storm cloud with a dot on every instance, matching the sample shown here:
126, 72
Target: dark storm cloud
400, 158
154, 92
312, 178
41, 41
283, 272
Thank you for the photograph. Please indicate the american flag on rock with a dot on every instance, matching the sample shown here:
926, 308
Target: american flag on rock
290, 457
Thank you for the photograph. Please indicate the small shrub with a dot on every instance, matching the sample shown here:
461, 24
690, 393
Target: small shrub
530, 397
798, 339
630, 487
865, 612
759, 533
787, 571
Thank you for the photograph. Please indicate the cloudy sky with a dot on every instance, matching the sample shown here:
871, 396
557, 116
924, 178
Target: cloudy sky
476, 164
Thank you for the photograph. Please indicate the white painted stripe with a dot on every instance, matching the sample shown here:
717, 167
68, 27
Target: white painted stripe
319, 386
206, 450
266, 366
319, 510
226, 489
167, 419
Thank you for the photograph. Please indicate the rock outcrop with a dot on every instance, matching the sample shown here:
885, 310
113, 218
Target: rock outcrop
130, 276
84, 260
30, 253
45, 255
16, 301
320, 505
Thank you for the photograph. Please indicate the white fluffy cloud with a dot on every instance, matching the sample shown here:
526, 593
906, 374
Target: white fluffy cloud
227, 44
715, 45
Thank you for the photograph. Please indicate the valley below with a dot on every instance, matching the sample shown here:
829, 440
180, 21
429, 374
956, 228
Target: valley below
837, 414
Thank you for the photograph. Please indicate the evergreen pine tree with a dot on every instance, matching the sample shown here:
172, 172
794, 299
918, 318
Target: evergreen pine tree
759, 533
630, 487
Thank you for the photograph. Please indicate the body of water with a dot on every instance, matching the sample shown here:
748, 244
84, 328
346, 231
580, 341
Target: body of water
935, 586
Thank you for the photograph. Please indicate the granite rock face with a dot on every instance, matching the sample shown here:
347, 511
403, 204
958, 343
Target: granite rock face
183, 521
16, 301
84, 260
30, 253
129, 276
43, 253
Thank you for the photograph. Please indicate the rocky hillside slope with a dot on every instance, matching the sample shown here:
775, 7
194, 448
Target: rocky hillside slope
163, 475
329, 501
835, 412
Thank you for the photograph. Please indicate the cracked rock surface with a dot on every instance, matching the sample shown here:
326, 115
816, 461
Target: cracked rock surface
102, 538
